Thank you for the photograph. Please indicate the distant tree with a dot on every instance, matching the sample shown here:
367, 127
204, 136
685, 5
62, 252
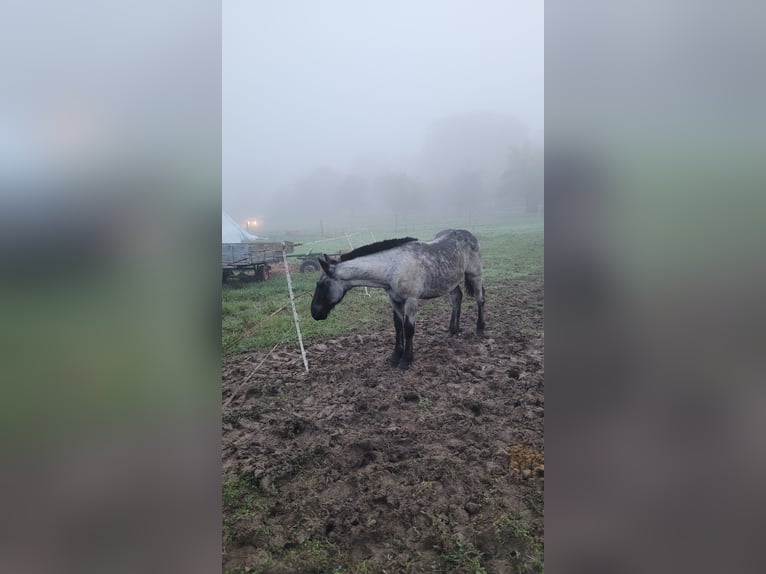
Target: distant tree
464, 194
317, 190
523, 181
352, 196
473, 142
401, 194
307, 201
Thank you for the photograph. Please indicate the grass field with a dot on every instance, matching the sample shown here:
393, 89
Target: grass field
258, 315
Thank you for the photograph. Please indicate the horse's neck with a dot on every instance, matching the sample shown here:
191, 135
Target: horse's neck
363, 272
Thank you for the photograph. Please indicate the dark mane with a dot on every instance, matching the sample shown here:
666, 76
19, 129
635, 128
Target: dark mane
375, 248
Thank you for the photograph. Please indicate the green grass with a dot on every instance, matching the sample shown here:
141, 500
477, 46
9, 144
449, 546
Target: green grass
364, 567
511, 254
240, 496
517, 533
508, 252
464, 558
247, 310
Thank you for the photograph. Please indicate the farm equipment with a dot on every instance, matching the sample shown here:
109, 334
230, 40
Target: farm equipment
311, 261
250, 261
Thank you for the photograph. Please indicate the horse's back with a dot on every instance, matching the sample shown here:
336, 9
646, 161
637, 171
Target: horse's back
428, 269
466, 242
460, 236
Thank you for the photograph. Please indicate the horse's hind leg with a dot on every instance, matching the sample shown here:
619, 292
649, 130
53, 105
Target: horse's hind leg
474, 285
455, 299
480, 320
399, 346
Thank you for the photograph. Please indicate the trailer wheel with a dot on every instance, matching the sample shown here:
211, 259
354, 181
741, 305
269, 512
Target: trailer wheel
262, 272
309, 266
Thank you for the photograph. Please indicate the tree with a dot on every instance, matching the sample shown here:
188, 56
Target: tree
523, 181
401, 194
473, 142
352, 196
464, 194
308, 200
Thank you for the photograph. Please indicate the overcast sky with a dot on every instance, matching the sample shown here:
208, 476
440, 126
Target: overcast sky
324, 83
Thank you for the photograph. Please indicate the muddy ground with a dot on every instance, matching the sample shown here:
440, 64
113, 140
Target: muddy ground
359, 467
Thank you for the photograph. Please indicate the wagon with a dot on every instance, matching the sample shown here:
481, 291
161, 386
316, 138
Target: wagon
251, 261
310, 261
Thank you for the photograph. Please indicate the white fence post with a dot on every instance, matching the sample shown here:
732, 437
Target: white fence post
295, 313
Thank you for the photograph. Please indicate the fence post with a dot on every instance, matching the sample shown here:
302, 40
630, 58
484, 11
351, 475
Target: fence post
295, 313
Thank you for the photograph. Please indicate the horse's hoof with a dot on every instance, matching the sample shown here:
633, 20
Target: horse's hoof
480, 334
403, 365
394, 360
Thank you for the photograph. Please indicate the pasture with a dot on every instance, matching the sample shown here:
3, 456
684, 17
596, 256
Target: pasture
360, 467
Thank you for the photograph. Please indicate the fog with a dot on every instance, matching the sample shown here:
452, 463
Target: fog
346, 111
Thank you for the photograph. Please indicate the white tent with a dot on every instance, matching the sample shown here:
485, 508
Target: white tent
231, 232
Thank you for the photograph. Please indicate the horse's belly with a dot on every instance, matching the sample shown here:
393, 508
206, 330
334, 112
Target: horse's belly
425, 279
439, 286
433, 295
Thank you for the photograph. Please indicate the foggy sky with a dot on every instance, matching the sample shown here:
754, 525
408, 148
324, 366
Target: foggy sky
335, 83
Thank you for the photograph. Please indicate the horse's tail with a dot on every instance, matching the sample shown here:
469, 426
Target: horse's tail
474, 264
471, 291
468, 286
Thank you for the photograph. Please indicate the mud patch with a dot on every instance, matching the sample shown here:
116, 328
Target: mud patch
361, 466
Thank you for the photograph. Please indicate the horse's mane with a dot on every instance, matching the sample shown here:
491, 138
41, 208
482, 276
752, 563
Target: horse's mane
375, 248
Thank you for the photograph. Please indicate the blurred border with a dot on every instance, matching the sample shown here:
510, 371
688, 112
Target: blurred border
110, 188
654, 138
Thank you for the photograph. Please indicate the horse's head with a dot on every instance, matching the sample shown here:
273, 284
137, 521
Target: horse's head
329, 291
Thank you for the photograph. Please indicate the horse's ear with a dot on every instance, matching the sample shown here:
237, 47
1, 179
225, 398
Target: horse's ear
325, 263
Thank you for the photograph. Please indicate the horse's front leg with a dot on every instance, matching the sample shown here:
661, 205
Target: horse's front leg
399, 345
410, 310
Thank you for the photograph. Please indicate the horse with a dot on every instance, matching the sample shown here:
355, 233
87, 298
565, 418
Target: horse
408, 270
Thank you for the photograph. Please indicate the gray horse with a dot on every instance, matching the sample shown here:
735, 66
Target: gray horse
408, 270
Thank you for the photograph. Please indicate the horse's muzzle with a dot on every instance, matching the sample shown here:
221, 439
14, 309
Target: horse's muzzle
319, 314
